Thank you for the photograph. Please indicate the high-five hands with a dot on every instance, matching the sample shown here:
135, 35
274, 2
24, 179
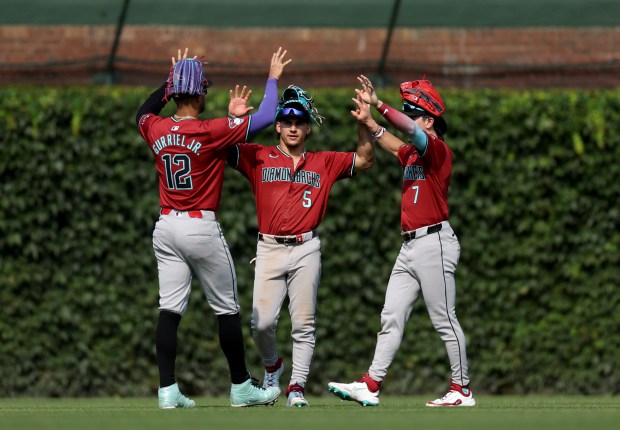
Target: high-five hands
367, 93
238, 102
182, 57
278, 64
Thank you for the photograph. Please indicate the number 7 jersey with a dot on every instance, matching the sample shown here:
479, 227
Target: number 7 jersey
190, 155
290, 200
426, 179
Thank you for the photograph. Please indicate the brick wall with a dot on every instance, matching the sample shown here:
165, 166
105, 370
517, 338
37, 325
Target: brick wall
517, 58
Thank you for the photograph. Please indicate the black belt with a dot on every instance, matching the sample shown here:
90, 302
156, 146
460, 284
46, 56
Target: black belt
288, 240
432, 229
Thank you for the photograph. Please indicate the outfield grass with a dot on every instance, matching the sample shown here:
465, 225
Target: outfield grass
492, 412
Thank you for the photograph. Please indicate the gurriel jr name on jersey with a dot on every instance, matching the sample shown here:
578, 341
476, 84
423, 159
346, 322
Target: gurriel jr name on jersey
175, 140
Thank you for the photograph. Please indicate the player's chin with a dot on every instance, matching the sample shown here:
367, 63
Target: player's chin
293, 140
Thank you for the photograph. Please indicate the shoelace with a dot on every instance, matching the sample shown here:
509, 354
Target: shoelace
445, 397
270, 379
256, 383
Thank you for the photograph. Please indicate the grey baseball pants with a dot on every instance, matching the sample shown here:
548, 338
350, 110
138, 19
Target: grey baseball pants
282, 270
184, 246
425, 265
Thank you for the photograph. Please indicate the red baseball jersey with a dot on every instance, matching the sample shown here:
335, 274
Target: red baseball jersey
426, 179
190, 156
290, 201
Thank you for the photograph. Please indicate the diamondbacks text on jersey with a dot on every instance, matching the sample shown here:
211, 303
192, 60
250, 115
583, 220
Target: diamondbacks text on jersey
290, 201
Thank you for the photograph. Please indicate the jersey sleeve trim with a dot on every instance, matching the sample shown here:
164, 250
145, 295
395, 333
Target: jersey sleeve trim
247, 131
423, 152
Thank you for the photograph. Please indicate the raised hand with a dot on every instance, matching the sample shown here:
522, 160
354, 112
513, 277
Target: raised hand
367, 93
238, 102
182, 57
278, 63
362, 113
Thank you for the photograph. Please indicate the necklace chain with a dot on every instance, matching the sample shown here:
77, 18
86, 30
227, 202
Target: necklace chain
185, 117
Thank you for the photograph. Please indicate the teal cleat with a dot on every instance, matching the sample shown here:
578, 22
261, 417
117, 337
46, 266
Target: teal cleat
170, 397
249, 393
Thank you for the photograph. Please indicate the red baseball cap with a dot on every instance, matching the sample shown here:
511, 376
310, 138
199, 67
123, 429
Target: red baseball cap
419, 96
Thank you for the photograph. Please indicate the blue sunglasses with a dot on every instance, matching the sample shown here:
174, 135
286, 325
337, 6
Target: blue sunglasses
292, 112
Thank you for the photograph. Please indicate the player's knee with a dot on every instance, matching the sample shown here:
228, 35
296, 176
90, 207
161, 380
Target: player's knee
391, 320
303, 330
262, 326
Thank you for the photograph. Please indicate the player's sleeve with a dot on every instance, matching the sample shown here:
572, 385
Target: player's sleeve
436, 152
145, 124
404, 153
434, 156
223, 133
407, 126
243, 157
340, 165
154, 104
266, 113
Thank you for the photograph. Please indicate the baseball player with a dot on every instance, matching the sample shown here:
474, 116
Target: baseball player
291, 187
190, 156
430, 251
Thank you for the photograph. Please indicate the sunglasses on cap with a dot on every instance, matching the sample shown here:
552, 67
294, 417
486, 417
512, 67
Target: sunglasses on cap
289, 111
413, 110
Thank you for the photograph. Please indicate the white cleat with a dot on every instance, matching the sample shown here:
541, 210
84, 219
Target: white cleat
356, 391
272, 379
456, 396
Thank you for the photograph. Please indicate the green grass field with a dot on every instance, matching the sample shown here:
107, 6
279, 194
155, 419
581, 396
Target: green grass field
492, 412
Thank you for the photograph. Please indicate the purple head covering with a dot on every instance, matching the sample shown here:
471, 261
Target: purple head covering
187, 77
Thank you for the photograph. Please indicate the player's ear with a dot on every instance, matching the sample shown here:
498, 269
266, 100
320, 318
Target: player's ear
278, 127
430, 121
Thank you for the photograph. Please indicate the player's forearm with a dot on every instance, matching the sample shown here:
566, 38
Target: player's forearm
365, 152
405, 125
398, 119
266, 113
154, 104
386, 140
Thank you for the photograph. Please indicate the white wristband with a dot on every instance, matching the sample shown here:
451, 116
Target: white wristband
377, 135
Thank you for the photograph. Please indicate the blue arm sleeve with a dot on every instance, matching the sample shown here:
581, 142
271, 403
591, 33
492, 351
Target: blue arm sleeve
419, 139
266, 113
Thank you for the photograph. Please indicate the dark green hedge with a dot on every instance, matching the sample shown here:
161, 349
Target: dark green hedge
534, 199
